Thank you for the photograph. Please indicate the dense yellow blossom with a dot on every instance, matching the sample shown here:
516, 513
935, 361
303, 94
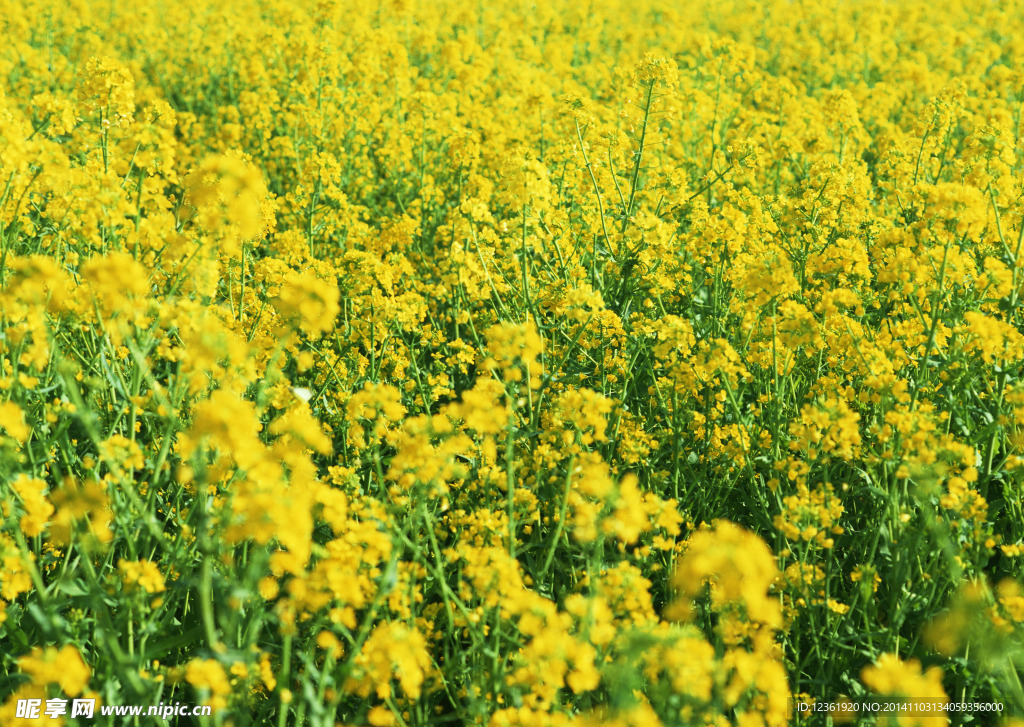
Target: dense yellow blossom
515, 363
143, 574
12, 419
893, 678
64, 667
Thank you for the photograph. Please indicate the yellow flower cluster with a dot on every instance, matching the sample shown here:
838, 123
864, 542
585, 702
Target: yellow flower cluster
892, 678
511, 363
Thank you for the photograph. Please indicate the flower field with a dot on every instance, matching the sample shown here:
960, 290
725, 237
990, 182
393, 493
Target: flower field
594, 363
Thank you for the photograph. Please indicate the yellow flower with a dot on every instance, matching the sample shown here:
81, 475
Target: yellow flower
229, 199
38, 509
142, 573
108, 86
659, 70
87, 500
299, 422
64, 667
393, 651
329, 642
12, 419
309, 302
514, 350
118, 283
208, 674
15, 576
811, 515
483, 408
737, 564
892, 677
831, 427
229, 424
